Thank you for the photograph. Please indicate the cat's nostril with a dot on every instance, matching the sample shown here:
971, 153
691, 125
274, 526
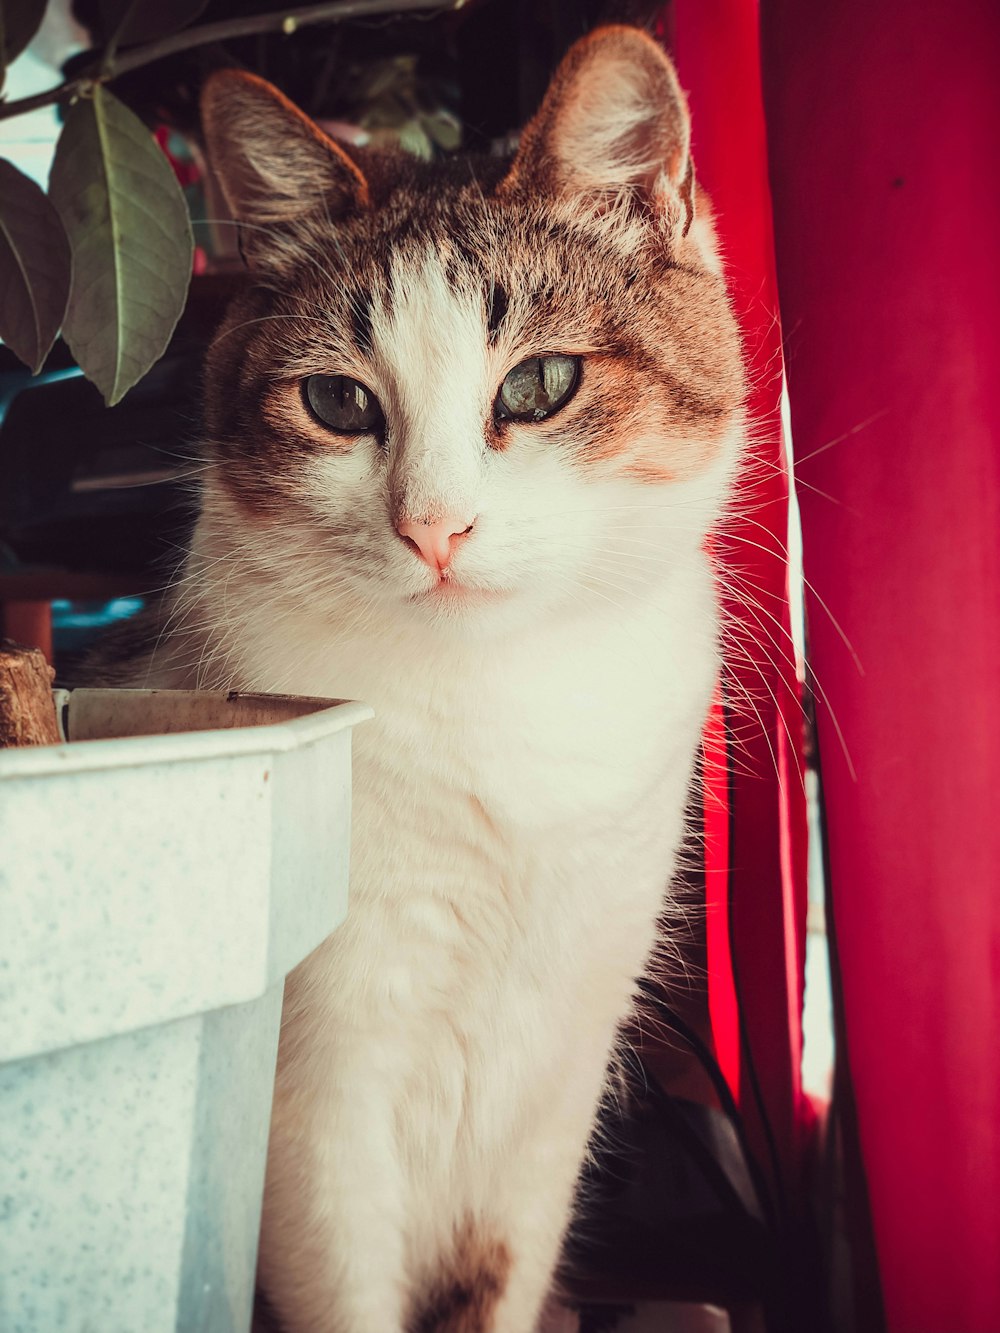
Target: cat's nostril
412, 545
435, 542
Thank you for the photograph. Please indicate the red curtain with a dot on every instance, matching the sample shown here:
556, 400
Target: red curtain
756, 849
883, 119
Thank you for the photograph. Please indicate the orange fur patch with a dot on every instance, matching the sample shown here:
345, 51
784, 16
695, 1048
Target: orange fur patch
464, 1297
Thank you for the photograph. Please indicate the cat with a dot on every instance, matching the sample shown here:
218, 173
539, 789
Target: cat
467, 429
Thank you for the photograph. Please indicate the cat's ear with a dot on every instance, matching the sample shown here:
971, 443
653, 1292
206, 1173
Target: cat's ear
273, 163
613, 127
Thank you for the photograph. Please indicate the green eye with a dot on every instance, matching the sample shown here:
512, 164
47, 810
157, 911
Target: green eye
537, 387
342, 404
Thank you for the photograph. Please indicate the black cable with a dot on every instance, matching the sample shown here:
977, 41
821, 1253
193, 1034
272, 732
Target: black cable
709, 1165
727, 1101
773, 1280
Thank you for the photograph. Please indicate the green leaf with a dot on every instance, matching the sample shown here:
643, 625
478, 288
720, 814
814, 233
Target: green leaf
137, 21
19, 21
130, 233
35, 268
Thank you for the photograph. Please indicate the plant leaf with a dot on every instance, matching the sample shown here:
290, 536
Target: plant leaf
130, 233
140, 21
35, 268
19, 22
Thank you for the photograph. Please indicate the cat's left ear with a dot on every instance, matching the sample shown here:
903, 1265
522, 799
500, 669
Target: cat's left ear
613, 127
274, 164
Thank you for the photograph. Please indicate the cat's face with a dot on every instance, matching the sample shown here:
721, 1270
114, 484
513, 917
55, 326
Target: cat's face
480, 389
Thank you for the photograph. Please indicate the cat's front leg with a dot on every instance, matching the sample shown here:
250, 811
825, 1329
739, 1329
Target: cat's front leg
332, 1237
537, 1200
497, 1273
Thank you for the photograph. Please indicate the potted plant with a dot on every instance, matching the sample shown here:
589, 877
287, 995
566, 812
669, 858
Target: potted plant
155, 889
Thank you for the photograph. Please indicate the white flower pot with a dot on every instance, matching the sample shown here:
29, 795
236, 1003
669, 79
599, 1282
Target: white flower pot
154, 892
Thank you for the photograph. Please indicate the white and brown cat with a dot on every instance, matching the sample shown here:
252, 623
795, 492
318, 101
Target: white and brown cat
467, 431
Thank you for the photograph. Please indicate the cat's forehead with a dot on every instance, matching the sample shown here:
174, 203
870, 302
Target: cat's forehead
453, 211
524, 266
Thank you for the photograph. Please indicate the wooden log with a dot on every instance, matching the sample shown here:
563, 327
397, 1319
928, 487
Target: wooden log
27, 713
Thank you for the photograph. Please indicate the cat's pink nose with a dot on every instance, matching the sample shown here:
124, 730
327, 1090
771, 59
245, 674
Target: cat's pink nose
436, 542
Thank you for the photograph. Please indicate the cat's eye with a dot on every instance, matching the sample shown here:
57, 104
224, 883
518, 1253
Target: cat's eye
535, 388
342, 404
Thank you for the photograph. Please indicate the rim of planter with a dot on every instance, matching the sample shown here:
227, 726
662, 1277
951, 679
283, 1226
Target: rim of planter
323, 718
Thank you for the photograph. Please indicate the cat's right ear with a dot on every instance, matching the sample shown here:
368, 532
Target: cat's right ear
613, 129
273, 163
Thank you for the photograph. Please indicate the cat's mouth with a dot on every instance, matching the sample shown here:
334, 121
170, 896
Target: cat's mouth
451, 592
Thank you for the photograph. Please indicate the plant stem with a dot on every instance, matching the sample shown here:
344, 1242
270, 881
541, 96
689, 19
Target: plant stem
287, 20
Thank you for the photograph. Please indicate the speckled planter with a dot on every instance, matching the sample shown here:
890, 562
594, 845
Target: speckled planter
154, 892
